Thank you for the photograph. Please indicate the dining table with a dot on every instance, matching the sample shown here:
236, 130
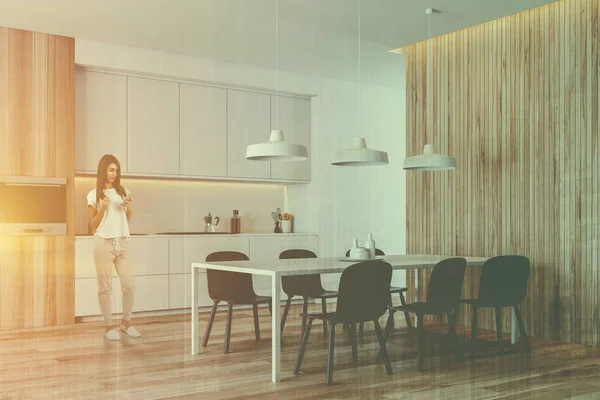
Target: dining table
306, 266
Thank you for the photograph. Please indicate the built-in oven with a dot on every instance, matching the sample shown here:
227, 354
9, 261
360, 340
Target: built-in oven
33, 205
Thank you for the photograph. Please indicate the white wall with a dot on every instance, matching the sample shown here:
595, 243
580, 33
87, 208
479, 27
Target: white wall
340, 203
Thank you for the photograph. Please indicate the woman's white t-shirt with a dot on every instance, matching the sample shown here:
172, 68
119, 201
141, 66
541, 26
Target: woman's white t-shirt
114, 223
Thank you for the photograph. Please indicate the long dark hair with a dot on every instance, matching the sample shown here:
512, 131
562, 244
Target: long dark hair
103, 164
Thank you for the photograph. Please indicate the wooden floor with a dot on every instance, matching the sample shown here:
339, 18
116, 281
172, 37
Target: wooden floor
76, 363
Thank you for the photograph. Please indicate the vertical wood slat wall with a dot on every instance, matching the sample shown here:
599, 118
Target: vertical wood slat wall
36, 139
516, 101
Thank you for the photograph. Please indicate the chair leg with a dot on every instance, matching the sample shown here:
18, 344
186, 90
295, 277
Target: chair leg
352, 337
304, 317
256, 326
228, 327
329, 379
420, 332
406, 314
524, 336
499, 324
389, 325
449, 334
391, 303
288, 303
324, 311
453, 337
303, 347
386, 333
474, 333
382, 348
211, 319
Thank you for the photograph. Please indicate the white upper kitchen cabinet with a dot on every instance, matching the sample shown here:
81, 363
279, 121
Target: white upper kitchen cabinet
248, 122
203, 123
153, 126
293, 118
183, 251
100, 118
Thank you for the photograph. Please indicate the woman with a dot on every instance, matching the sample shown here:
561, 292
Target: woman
110, 211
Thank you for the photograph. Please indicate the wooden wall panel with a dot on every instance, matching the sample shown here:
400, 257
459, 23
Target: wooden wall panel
36, 139
516, 101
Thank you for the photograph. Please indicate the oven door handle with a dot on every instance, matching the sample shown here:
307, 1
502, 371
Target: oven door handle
34, 184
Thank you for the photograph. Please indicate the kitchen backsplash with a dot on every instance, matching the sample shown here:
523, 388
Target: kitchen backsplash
166, 206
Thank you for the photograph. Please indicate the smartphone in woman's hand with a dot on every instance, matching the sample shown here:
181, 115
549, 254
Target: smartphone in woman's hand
127, 200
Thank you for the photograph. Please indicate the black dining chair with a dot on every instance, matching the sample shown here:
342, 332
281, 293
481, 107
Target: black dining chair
305, 286
503, 283
232, 288
362, 296
393, 289
443, 297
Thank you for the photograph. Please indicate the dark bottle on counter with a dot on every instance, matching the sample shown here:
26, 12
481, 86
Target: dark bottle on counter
236, 223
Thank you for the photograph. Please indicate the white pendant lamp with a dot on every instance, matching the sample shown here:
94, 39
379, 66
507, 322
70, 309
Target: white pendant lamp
429, 160
359, 155
276, 149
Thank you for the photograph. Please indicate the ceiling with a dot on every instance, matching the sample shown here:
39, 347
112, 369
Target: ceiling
311, 32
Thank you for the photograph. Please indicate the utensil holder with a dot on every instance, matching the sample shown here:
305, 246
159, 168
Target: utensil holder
277, 227
286, 226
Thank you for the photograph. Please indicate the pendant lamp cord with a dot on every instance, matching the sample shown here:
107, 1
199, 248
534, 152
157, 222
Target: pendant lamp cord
429, 84
358, 111
276, 64
430, 25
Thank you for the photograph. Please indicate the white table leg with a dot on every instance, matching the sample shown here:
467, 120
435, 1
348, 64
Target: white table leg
416, 285
513, 326
276, 328
195, 338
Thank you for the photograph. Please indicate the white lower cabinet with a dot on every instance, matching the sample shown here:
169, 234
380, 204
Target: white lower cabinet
180, 291
86, 297
148, 256
84, 259
268, 248
151, 294
162, 273
186, 250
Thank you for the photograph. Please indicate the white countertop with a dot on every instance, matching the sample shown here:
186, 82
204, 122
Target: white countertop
153, 235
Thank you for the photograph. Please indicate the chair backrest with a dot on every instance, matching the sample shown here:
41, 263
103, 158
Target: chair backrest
377, 252
503, 280
445, 285
363, 292
227, 285
300, 285
296, 253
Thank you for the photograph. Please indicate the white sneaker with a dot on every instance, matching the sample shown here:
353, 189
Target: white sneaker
112, 335
131, 331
